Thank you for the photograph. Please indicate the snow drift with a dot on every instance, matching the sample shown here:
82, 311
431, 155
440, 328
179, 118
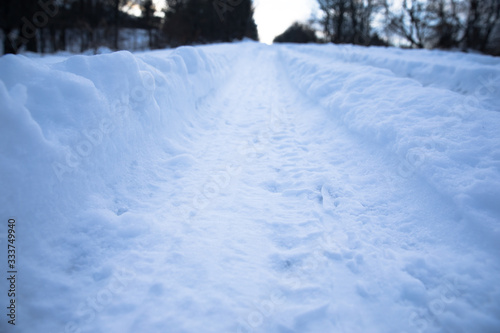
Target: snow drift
438, 112
70, 130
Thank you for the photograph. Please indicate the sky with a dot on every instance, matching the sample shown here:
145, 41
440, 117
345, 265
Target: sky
275, 16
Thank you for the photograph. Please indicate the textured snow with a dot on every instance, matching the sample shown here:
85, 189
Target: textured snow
253, 188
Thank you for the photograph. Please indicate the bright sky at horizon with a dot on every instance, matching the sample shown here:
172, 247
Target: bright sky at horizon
274, 16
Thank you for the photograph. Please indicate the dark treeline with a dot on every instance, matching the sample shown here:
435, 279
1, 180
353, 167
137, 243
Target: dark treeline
464, 24
444, 24
51, 26
350, 21
48, 26
205, 21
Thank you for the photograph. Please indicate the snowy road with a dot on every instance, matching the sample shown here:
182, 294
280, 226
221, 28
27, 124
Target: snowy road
253, 206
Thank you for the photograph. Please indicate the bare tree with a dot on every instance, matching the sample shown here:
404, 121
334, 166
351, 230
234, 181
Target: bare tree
334, 19
411, 23
444, 20
349, 21
148, 10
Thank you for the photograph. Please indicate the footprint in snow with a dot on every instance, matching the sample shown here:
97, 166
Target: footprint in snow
340, 197
329, 197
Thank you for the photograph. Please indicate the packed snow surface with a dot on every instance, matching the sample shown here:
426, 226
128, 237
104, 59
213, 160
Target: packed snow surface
252, 188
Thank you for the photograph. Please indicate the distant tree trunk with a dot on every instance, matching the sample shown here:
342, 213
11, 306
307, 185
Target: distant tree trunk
326, 26
32, 45
339, 33
53, 38
471, 33
62, 39
355, 36
117, 23
148, 13
8, 43
43, 42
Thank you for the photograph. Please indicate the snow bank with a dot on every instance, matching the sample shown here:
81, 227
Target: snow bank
68, 111
437, 111
70, 131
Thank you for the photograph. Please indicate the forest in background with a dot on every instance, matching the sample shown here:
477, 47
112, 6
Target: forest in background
49, 26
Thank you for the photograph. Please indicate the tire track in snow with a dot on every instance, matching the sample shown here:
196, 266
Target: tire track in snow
313, 231
310, 218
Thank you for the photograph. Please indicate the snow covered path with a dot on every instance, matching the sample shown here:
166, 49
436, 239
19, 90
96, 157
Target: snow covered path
339, 233
263, 214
